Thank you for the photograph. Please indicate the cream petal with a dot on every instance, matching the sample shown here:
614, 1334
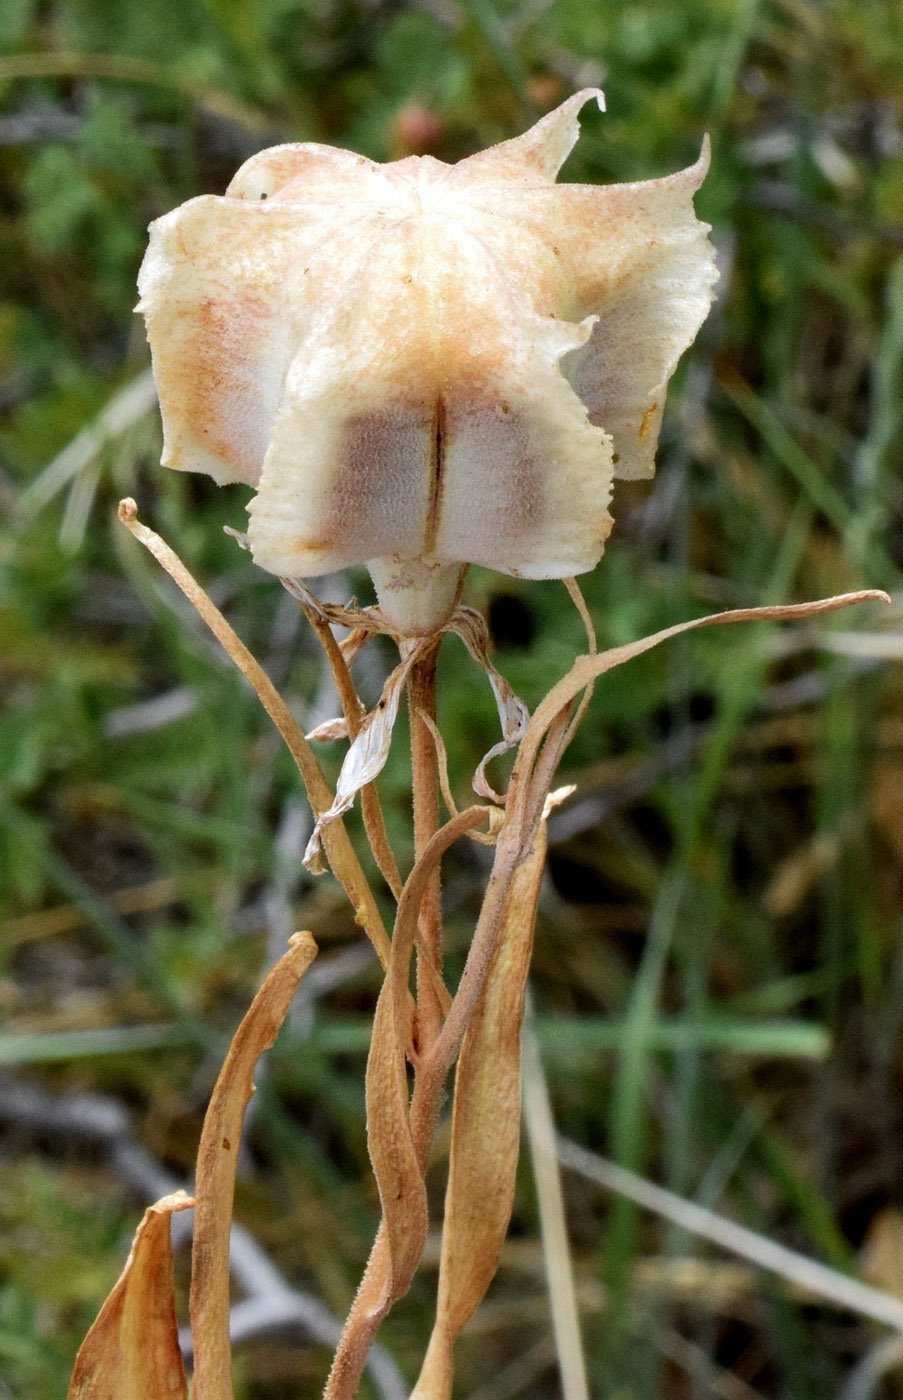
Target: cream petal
526, 479
422, 366
226, 289
639, 260
347, 476
539, 153
305, 171
433, 424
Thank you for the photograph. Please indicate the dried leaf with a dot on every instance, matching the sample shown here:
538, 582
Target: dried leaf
513, 713
396, 1162
398, 1173
485, 1130
587, 669
132, 1351
329, 731
398, 1157
341, 854
217, 1155
369, 750
367, 754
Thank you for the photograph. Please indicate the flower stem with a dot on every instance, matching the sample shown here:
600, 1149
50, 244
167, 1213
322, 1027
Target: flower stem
425, 790
371, 810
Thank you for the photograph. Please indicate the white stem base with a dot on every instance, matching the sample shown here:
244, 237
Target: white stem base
416, 595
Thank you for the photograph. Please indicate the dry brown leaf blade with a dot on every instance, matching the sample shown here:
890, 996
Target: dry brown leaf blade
587, 669
402, 1192
217, 1155
513, 713
341, 854
329, 731
367, 754
396, 1164
398, 1173
398, 1156
485, 1130
132, 1351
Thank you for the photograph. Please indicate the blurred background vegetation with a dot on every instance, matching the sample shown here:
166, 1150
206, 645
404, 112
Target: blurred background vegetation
719, 960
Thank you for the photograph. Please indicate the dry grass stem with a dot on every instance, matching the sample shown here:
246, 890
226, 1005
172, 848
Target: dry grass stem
540, 1130
815, 1278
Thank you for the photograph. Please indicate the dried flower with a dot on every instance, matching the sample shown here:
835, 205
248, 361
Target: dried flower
420, 366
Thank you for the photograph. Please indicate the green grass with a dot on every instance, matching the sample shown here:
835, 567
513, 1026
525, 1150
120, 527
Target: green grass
719, 959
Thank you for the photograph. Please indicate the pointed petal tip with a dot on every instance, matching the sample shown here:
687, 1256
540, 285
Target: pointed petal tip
704, 158
586, 93
542, 149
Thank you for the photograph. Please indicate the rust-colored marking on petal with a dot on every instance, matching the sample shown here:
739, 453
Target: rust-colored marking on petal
437, 474
224, 351
647, 422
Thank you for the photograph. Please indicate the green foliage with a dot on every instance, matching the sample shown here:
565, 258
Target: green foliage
61, 1245
718, 959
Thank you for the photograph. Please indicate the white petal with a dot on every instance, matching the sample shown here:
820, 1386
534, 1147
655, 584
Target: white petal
526, 479
427, 416
425, 365
539, 153
229, 287
641, 262
348, 473
308, 172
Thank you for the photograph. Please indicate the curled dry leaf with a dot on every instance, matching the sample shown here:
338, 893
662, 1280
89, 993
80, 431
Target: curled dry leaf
398, 1160
340, 852
513, 713
329, 731
587, 669
215, 1176
485, 1130
419, 366
132, 1351
369, 750
397, 1153
367, 753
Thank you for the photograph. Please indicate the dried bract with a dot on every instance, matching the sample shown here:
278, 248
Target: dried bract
421, 366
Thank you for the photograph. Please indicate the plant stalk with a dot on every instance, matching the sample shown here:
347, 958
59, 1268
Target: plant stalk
425, 792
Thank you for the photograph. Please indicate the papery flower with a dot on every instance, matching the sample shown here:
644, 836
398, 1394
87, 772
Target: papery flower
420, 366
